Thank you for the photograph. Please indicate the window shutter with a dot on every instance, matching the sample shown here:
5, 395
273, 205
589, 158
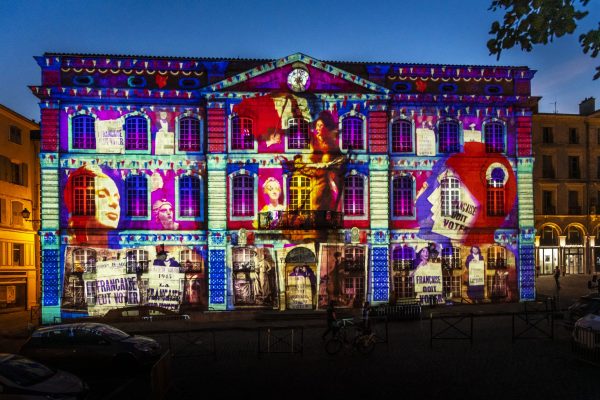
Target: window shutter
17, 218
24, 175
5, 169
3, 212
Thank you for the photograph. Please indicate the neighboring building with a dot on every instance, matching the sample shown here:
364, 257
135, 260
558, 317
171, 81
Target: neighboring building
229, 184
19, 189
567, 190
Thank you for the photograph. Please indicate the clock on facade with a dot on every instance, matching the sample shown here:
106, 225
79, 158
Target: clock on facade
298, 80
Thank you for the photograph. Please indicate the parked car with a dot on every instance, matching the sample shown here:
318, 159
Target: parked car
587, 304
22, 378
586, 333
90, 346
142, 313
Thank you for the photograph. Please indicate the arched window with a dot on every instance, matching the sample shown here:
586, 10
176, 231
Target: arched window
402, 196
83, 132
84, 202
403, 258
136, 187
300, 193
496, 257
137, 261
298, 134
136, 133
450, 196
84, 260
354, 195
242, 137
352, 134
190, 196
494, 137
449, 141
495, 197
402, 136
189, 134
574, 236
243, 196
549, 236
451, 258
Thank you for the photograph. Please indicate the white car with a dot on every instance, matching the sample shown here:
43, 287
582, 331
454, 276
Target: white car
22, 378
586, 332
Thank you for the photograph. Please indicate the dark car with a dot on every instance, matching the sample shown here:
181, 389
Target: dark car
587, 304
21, 378
142, 313
91, 346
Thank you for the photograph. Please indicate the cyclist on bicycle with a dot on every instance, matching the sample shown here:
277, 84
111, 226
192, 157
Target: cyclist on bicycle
332, 324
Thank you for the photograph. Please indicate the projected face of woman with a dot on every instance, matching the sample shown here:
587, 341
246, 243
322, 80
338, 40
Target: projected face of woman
108, 210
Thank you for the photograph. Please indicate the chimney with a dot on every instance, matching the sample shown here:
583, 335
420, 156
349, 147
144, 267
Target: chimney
587, 106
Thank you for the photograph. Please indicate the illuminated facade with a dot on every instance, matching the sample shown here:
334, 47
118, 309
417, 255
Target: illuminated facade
283, 184
19, 190
567, 189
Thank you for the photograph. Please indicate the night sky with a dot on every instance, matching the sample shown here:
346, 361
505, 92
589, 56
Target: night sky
427, 31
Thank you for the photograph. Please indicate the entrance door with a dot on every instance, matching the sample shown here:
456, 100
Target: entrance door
548, 260
574, 260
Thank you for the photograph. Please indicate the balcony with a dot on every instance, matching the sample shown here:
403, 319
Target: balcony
574, 210
300, 219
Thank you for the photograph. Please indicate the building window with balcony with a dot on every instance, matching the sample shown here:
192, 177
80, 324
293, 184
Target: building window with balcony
354, 195
84, 260
190, 135
243, 196
402, 141
136, 261
496, 257
547, 167
548, 202
242, 137
494, 137
574, 207
573, 136
300, 193
450, 197
353, 134
136, 133
547, 135
83, 132
574, 171
136, 189
495, 197
449, 139
84, 201
402, 196
298, 134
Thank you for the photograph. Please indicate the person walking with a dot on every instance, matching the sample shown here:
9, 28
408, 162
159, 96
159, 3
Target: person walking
365, 317
331, 321
557, 277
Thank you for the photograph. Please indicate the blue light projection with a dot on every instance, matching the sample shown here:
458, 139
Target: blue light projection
216, 276
380, 274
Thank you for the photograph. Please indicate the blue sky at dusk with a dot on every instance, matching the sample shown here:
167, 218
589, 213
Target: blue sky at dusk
426, 31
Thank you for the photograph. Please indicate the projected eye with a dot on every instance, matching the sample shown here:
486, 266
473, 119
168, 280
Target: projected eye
493, 89
402, 87
84, 80
189, 83
136, 81
448, 88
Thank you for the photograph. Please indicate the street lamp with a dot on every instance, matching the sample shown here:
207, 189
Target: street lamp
26, 214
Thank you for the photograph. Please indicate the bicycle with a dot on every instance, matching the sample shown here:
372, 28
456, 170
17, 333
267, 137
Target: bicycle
363, 341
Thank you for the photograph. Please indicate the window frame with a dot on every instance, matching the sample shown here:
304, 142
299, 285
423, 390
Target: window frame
345, 117
137, 114
413, 193
72, 117
458, 189
306, 149
495, 253
494, 189
402, 264
402, 119
231, 180
547, 134
18, 132
365, 197
145, 261
289, 183
180, 217
230, 148
493, 122
178, 140
88, 257
459, 134
452, 261
88, 192
571, 171
148, 215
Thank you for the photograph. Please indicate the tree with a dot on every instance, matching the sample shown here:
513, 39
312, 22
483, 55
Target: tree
531, 22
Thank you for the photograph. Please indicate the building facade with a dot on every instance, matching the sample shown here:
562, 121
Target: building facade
567, 189
283, 184
19, 190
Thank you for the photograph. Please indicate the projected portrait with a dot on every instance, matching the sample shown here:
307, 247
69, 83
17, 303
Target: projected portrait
162, 213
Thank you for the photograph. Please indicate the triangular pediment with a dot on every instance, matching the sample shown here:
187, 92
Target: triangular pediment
273, 76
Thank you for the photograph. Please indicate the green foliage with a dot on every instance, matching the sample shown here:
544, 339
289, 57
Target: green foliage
530, 22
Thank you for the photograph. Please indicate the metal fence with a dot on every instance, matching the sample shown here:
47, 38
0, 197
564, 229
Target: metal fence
446, 326
404, 309
280, 340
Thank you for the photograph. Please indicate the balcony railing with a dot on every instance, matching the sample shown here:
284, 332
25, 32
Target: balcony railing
300, 219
